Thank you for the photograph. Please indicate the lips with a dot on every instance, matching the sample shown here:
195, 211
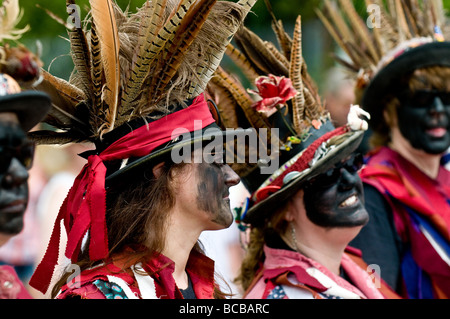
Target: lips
350, 201
437, 132
17, 206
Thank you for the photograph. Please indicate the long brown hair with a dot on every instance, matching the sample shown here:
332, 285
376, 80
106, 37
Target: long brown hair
137, 216
254, 256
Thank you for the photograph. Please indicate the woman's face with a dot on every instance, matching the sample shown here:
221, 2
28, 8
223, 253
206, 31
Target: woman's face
15, 155
336, 198
424, 120
205, 192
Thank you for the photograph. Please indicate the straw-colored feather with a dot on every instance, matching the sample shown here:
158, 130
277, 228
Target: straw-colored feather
105, 21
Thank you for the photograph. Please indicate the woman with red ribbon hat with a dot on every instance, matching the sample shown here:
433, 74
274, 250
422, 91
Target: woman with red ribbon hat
299, 218
401, 64
134, 214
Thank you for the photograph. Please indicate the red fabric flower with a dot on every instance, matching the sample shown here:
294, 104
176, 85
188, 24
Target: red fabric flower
274, 90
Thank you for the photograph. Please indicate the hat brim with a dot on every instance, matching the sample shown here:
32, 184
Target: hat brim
167, 153
257, 214
31, 107
386, 80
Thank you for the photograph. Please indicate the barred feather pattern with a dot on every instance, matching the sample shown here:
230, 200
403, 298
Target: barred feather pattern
155, 66
228, 22
295, 74
174, 54
258, 57
242, 62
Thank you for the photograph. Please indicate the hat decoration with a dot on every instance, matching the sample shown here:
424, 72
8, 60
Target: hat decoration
397, 38
19, 67
137, 78
287, 100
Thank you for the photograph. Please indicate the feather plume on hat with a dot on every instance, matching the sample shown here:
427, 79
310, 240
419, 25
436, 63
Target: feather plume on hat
288, 101
257, 59
133, 65
392, 27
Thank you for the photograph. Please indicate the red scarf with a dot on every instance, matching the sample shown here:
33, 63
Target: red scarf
84, 208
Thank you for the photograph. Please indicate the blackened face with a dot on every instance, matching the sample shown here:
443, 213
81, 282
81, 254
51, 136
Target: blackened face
214, 180
338, 204
13, 177
424, 120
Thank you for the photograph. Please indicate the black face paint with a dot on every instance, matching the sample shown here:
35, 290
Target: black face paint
212, 193
424, 120
13, 177
339, 204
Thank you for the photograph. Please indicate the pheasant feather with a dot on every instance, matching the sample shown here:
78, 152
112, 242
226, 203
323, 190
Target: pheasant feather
104, 18
185, 35
295, 74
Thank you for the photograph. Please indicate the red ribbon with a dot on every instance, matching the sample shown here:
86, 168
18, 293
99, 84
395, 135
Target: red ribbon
84, 208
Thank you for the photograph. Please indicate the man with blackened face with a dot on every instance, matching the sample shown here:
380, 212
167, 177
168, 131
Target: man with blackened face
19, 112
424, 119
16, 158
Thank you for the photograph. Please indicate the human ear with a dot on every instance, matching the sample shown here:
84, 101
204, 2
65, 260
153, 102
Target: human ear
294, 205
157, 169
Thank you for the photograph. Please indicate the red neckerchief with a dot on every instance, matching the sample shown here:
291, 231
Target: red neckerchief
395, 176
84, 208
199, 267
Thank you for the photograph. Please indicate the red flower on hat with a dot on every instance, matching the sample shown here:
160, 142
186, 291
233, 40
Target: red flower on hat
274, 90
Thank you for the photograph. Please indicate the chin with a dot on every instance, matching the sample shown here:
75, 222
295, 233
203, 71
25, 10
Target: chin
223, 220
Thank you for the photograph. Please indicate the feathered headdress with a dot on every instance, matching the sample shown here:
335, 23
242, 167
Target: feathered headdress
19, 67
128, 66
397, 38
137, 78
287, 104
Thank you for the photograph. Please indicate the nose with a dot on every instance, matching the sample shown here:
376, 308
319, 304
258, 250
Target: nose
16, 174
348, 180
231, 178
438, 106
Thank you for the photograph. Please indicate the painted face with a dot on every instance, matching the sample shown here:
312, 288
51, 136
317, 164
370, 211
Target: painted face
214, 181
424, 120
336, 198
15, 157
